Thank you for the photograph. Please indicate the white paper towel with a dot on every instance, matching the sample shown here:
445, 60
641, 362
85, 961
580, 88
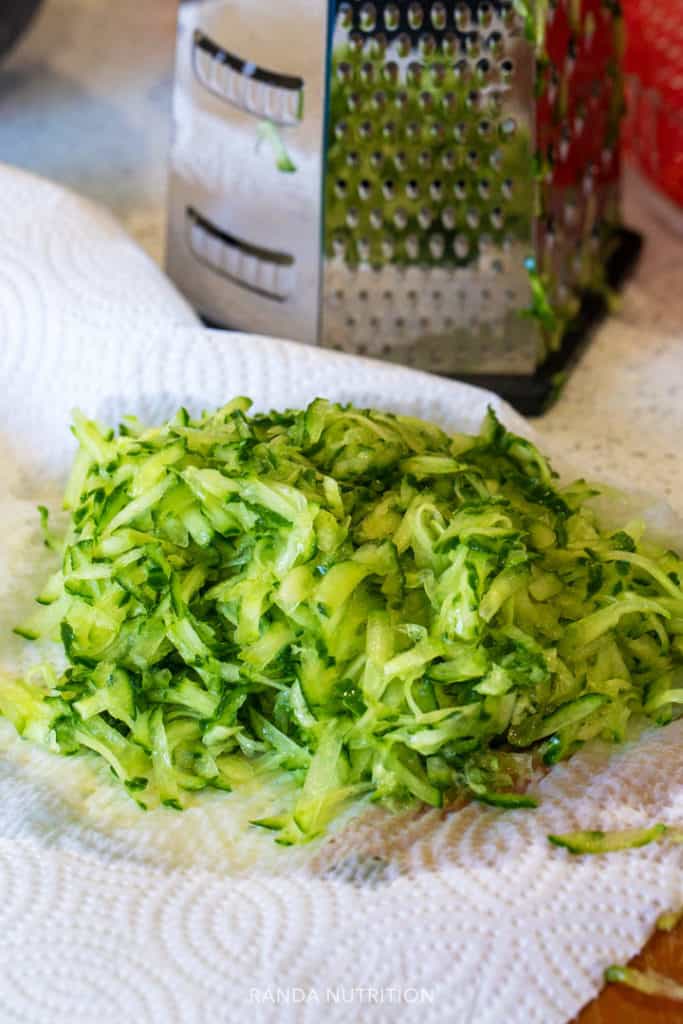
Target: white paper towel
107, 914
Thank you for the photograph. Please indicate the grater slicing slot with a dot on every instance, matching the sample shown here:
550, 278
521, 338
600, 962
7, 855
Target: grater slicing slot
267, 94
266, 272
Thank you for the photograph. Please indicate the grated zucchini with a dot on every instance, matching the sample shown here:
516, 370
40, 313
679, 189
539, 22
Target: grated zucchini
354, 599
651, 983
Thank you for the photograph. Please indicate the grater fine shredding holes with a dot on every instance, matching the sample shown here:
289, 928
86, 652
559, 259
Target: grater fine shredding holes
445, 197
423, 185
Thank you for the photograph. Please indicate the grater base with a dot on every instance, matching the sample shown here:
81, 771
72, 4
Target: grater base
533, 394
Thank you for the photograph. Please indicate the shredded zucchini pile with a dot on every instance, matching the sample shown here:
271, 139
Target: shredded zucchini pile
350, 597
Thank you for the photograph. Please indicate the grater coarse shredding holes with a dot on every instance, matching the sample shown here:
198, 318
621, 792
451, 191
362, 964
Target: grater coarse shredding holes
429, 182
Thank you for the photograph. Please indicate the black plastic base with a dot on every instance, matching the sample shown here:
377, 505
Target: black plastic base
533, 394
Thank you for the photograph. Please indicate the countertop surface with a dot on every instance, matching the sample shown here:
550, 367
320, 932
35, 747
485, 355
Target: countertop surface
86, 100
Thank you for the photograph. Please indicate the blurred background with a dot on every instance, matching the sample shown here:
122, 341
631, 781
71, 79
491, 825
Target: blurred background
85, 99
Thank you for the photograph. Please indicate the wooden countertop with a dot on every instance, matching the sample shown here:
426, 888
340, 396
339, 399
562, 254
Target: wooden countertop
618, 1004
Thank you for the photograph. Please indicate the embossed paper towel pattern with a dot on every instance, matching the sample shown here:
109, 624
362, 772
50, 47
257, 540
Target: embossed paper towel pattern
107, 914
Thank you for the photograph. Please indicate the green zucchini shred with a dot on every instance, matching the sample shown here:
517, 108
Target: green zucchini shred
349, 598
596, 841
650, 983
669, 920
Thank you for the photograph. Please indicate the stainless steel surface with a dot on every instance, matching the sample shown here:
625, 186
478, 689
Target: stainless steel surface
429, 217
245, 199
260, 91
438, 181
265, 271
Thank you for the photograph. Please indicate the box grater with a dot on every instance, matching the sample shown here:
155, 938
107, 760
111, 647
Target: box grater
433, 183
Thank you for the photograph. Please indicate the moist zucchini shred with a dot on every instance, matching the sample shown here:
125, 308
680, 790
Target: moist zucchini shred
357, 599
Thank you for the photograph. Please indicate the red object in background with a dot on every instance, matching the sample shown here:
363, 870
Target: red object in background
653, 130
578, 119
573, 113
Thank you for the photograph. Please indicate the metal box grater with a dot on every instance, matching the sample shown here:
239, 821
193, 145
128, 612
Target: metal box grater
429, 182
